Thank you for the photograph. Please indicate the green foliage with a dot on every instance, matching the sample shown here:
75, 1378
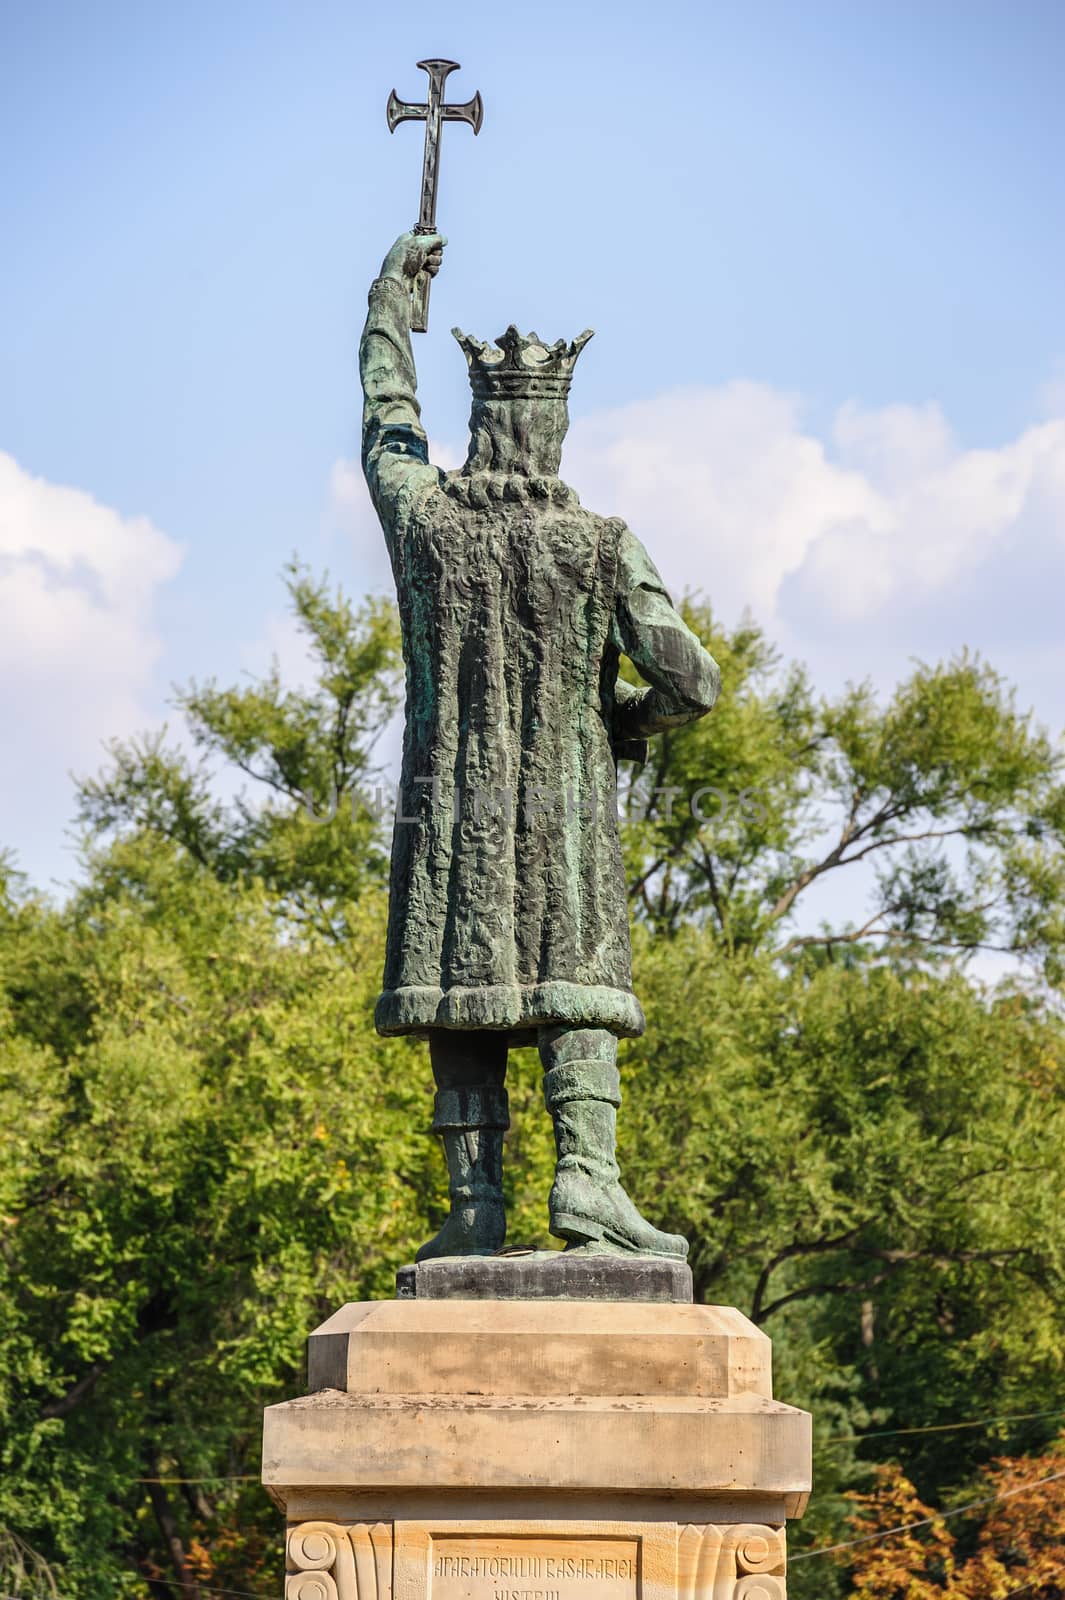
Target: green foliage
310, 831
204, 1148
867, 1162
187, 1190
861, 1141
948, 792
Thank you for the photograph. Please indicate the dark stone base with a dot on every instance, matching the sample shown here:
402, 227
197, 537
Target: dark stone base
547, 1275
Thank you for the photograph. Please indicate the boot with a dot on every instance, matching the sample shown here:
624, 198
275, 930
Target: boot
588, 1207
472, 1123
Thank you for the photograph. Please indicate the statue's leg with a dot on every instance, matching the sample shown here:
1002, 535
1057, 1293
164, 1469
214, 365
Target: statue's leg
470, 1114
588, 1207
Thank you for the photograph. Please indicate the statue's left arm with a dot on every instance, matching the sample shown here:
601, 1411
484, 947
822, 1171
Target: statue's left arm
684, 677
394, 449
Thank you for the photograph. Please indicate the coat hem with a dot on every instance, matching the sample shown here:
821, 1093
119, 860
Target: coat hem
512, 1008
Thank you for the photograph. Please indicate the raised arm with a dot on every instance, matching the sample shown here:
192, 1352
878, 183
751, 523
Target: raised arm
684, 677
394, 452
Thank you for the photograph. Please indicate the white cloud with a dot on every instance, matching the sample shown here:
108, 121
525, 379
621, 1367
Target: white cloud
736, 496
78, 640
882, 540
946, 510
347, 489
727, 489
886, 540
351, 511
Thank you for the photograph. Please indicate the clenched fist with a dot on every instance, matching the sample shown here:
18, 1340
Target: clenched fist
414, 253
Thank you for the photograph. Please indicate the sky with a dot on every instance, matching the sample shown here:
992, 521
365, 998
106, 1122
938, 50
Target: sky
821, 245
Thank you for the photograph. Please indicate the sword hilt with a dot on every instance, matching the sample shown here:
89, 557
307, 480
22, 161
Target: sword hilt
419, 303
419, 294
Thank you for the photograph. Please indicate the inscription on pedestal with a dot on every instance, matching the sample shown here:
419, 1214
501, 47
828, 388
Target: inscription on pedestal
410, 1560
487, 1568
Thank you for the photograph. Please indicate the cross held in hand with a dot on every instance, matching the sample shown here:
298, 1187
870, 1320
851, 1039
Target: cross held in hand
432, 113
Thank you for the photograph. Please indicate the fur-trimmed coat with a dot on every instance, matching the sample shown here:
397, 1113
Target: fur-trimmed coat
508, 906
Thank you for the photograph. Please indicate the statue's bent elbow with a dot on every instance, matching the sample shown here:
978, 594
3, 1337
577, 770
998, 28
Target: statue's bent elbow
706, 688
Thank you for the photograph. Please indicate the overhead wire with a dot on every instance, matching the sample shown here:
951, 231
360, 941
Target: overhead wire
802, 1555
218, 1477
208, 1588
926, 1522
944, 1427
1035, 1583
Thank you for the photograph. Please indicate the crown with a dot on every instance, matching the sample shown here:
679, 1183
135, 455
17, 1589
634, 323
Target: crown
522, 365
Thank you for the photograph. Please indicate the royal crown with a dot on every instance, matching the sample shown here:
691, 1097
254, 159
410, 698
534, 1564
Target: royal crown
520, 365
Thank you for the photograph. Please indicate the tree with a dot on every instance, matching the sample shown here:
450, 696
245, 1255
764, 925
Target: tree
205, 1145
205, 1148
948, 792
1013, 1529
310, 829
224, 1154
859, 1136
900, 1548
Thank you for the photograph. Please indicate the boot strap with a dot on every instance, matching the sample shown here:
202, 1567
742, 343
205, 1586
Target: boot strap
482, 1107
582, 1080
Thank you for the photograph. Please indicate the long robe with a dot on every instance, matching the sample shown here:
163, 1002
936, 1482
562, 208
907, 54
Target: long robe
508, 905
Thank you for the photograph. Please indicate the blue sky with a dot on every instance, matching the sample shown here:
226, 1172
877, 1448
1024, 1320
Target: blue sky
821, 245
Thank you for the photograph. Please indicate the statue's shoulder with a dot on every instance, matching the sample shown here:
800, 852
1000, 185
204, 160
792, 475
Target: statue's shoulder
636, 570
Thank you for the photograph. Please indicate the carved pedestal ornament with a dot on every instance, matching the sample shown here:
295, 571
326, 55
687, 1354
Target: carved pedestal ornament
338, 1561
744, 1561
715, 1561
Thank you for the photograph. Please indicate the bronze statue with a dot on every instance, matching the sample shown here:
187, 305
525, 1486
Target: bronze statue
508, 917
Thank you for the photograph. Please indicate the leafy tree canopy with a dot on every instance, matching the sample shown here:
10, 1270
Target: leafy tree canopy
205, 1148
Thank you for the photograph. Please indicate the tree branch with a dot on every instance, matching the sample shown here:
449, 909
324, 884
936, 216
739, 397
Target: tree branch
906, 935
841, 856
715, 897
801, 941
278, 786
892, 1260
939, 1258
807, 1291
188, 1587
65, 1404
340, 734
790, 1253
803, 881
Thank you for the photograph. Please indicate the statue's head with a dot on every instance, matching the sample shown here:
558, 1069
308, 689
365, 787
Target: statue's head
520, 387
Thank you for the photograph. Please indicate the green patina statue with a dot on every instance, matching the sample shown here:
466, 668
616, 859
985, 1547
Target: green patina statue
508, 920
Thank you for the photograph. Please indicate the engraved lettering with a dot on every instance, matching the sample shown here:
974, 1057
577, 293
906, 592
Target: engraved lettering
494, 1567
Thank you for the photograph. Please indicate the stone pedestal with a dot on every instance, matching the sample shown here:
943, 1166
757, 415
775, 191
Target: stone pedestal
537, 1450
546, 1275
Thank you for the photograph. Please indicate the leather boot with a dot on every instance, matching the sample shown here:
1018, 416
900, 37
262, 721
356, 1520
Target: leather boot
472, 1123
588, 1207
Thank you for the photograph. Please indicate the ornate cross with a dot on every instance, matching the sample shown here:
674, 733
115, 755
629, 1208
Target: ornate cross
432, 113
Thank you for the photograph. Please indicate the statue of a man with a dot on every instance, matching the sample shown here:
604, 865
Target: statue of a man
508, 919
